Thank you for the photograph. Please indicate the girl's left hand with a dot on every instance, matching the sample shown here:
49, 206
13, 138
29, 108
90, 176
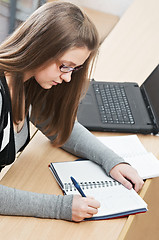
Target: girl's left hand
123, 173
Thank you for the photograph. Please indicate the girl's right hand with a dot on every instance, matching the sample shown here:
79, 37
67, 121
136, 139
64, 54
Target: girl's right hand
84, 207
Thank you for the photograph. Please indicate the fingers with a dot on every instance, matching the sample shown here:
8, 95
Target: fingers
91, 211
127, 176
136, 180
132, 176
136, 183
123, 181
92, 202
139, 186
84, 207
93, 206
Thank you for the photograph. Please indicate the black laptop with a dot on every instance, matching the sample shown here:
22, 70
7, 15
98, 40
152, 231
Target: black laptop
122, 107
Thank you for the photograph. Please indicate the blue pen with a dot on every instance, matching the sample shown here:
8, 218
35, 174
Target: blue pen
78, 187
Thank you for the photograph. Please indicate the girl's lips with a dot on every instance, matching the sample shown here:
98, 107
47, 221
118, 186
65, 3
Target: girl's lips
56, 83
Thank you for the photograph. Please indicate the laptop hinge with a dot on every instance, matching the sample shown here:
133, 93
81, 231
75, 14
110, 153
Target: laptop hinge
153, 119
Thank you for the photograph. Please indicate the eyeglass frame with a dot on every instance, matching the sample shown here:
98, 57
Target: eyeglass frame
69, 69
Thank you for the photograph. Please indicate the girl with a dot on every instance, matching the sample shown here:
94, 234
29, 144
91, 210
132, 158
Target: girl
44, 69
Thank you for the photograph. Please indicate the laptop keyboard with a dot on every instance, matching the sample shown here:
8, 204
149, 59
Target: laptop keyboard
113, 104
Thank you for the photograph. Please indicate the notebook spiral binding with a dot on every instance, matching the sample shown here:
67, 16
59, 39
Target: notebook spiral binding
90, 185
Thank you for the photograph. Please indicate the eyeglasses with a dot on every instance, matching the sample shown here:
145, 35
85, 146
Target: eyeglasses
66, 69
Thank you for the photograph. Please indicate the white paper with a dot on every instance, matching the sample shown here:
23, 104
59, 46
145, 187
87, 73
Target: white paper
132, 151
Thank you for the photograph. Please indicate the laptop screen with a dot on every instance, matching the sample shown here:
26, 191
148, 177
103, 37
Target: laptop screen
150, 91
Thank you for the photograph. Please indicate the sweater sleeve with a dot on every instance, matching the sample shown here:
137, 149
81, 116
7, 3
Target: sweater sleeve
24, 203
84, 144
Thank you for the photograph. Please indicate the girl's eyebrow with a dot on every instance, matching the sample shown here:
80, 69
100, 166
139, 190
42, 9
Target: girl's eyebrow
68, 62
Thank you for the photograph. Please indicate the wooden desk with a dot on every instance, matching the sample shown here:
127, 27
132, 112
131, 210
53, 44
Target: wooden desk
129, 53
30, 172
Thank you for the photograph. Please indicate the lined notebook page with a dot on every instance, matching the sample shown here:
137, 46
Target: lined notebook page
131, 149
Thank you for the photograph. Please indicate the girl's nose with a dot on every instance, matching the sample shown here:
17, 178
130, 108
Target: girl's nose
66, 76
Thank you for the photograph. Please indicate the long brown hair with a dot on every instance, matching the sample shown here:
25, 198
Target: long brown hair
47, 34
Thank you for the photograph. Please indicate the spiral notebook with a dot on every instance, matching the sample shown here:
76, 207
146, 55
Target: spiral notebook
115, 199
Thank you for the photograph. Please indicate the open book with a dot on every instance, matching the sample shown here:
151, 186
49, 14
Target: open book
132, 151
115, 199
